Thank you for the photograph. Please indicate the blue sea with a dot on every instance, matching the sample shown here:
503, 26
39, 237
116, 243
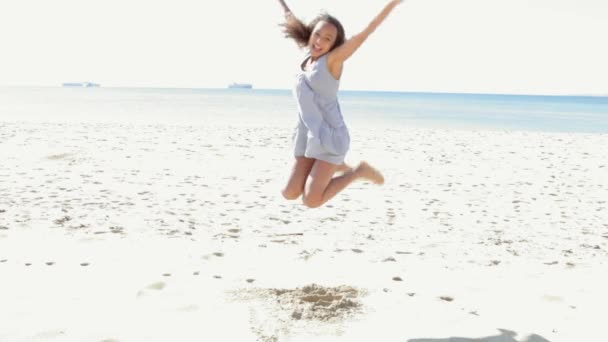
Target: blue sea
586, 114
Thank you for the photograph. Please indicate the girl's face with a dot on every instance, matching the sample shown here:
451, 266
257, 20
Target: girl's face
322, 39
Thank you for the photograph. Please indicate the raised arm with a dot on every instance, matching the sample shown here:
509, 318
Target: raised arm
343, 52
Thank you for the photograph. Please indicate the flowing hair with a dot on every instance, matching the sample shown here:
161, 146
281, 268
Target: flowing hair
295, 29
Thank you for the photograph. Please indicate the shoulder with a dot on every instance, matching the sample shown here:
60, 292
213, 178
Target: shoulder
334, 65
303, 60
332, 59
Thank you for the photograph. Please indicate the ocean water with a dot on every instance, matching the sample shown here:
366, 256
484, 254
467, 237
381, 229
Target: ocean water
584, 114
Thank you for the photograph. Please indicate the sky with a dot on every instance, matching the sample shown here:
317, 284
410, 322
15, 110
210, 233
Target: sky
463, 46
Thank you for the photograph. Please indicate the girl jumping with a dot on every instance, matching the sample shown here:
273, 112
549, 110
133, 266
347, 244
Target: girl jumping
321, 138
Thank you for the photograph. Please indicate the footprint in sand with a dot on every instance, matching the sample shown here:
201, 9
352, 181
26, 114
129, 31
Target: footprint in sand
551, 298
189, 308
307, 255
152, 287
49, 334
62, 220
58, 156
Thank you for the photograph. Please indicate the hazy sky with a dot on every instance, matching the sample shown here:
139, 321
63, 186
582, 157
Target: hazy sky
490, 46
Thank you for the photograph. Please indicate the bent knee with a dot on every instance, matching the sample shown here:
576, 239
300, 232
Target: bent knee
290, 194
312, 201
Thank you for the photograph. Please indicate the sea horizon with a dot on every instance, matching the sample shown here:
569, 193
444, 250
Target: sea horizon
254, 88
527, 112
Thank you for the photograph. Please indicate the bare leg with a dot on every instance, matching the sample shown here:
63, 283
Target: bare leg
321, 187
344, 168
297, 179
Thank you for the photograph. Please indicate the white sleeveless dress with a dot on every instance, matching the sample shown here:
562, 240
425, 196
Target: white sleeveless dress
321, 132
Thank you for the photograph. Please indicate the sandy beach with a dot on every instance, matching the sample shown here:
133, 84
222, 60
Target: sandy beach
135, 232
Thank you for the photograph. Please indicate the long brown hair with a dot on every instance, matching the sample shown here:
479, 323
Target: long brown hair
295, 29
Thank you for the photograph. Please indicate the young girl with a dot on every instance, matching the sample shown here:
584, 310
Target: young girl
321, 138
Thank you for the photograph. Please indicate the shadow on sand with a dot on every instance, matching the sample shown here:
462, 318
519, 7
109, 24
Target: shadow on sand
505, 336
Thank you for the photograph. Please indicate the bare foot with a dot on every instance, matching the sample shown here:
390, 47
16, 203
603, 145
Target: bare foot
366, 171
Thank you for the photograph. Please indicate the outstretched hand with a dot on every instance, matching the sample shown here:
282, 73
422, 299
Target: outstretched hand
344, 51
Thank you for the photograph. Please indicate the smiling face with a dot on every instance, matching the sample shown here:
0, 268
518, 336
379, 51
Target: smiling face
322, 38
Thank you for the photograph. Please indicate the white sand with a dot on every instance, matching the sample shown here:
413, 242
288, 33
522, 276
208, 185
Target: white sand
113, 232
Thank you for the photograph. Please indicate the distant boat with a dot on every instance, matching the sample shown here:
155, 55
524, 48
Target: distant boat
81, 84
240, 85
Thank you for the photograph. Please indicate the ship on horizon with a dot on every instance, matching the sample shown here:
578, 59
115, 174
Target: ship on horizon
80, 84
240, 85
